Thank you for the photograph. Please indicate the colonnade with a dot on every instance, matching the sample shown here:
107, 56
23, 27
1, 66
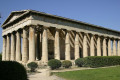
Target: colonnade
98, 45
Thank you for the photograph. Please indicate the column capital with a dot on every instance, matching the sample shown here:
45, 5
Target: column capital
85, 34
57, 29
45, 27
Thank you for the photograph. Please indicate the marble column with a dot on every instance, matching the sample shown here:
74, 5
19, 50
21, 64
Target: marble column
44, 46
67, 46
114, 47
104, 47
92, 48
12, 47
118, 48
8, 48
18, 46
98, 47
77, 46
36, 46
4, 49
57, 45
109, 48
40, 46
25, 46
85, 50
31, 44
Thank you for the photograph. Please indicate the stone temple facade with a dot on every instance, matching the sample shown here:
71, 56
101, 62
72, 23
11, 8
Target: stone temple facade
30, 35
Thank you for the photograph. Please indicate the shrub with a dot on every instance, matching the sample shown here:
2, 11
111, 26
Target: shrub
10, 70
101, 61
80, 62
66, 64
54, 63
0, 57
32, 66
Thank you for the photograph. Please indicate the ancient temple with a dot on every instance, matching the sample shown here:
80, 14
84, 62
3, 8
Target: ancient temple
30, 35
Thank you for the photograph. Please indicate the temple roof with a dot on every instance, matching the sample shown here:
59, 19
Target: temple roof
16, 15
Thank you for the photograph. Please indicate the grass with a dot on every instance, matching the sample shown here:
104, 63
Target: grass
112, 73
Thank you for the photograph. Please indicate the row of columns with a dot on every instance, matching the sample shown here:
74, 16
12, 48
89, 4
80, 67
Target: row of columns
15, 52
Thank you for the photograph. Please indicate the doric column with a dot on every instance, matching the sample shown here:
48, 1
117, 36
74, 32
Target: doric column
4, 49
25, 46
67, 46
31, 44
18, 46
12, 47
40, 46
118, 48
98, 47
77, 46
36, 46
109, 48
114, 47
85, 46
92, 48
8, 48
104, 47
44, 46
57, 45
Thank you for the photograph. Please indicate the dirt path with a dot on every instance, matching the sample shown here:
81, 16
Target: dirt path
43, 75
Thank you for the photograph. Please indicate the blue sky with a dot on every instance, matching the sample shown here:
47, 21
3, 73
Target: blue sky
104, 13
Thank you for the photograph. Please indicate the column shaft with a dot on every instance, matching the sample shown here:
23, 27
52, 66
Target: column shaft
118, 48
109, 48
4, 49
44, 46
25, 46
57, 45
18, 47
104, 47
31, 44
67, 46
12, 47
8, 48
92, 50
85, 46
36, 46
114, 47
77, 46
98, 47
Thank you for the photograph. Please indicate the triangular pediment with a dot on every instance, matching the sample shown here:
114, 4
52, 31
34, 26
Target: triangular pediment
13, 16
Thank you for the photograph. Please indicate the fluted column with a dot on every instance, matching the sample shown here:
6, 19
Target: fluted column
104, 47
8, 48
118, 48
98, 47
77, 46
109, 48
18, 46
25, 46
85, 46
12, 47
31, 44
44, 46
92, 48
57, 45
67, 46
114, 47
36, 46
4, 49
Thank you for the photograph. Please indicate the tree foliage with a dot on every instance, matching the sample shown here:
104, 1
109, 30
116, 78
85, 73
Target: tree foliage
11, 70
32, 66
